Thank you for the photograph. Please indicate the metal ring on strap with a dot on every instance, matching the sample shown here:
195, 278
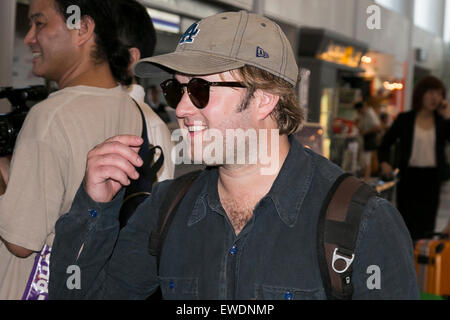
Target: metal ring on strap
337, 256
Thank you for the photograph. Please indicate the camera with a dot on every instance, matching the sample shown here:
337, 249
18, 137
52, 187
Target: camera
11, 123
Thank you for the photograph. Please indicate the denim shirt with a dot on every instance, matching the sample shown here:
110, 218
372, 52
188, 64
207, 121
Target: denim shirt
273, 257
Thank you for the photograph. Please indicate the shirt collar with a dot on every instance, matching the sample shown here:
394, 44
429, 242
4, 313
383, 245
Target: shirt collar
136, 91
293, 182
287, 193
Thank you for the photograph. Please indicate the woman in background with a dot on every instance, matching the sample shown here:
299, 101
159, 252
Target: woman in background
421, 133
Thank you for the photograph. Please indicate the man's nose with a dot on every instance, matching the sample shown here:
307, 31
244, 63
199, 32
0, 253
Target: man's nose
30, 37
185, 107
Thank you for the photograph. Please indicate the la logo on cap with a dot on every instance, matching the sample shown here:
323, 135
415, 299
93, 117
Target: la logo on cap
190, 34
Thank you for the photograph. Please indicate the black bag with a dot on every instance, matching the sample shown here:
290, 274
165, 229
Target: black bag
140, 189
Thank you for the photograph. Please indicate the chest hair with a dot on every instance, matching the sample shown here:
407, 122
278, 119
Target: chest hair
239, 212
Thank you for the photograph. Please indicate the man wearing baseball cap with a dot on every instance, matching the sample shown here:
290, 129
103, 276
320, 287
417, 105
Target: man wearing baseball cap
244, 229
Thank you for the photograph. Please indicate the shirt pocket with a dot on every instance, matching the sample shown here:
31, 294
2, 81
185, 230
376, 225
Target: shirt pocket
174, 288
269, 292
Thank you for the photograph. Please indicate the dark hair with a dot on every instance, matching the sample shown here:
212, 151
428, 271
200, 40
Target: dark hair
358, 105
135, 27
425, 84
108, 46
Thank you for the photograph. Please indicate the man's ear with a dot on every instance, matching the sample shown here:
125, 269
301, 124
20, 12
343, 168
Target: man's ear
266, 103
135, 56
86, 31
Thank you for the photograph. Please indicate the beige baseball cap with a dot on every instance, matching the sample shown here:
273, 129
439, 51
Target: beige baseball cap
224, 42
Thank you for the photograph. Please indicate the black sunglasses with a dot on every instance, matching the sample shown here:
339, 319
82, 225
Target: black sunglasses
197, 88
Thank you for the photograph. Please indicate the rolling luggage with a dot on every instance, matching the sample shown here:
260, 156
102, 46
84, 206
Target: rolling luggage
432, 259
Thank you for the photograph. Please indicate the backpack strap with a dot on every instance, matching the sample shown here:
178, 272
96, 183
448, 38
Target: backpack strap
337, 232
147, 152
167, 211
138, 190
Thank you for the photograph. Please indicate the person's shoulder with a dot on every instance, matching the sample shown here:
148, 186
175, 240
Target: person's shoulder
50, 114
153, 120
406, 116
384, 242
409, 113
51, 105
87, 96
64, 99
382, 216
325, 170
41, 116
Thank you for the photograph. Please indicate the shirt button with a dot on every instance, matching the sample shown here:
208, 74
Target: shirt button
93, 213
288, 295
233, 250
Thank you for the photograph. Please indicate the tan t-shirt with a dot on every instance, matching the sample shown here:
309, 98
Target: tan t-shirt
48, 166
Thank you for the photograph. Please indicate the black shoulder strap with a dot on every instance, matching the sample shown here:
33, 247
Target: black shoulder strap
337, 233
167, 210
149, 171
140, 189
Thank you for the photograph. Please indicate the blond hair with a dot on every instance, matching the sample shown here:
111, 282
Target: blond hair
287, 113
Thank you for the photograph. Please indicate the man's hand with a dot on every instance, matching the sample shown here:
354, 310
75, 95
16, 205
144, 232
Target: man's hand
111, 165
444, 109
386, 169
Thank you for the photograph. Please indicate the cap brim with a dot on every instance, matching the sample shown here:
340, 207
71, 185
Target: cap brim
187, 62
150, 70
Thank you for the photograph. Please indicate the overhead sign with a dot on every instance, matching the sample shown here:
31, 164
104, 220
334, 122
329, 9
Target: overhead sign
346, 55
164, 21
330, 46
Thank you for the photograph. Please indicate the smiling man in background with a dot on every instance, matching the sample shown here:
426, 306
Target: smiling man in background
49, 159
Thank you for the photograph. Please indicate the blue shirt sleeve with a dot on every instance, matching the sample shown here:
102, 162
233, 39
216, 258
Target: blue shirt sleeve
384, 260
111, 263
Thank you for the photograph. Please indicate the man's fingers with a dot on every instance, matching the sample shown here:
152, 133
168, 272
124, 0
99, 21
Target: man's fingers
116, 160
111, 164
116, 147
113, 173
126, 139
135, 149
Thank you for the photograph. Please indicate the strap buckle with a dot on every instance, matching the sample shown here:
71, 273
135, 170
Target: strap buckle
338, 256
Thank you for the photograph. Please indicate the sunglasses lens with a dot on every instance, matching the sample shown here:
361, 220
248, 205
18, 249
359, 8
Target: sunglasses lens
173, 92
198, 90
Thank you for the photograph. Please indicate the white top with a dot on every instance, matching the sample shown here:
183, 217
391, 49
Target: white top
368, 120
424, 148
